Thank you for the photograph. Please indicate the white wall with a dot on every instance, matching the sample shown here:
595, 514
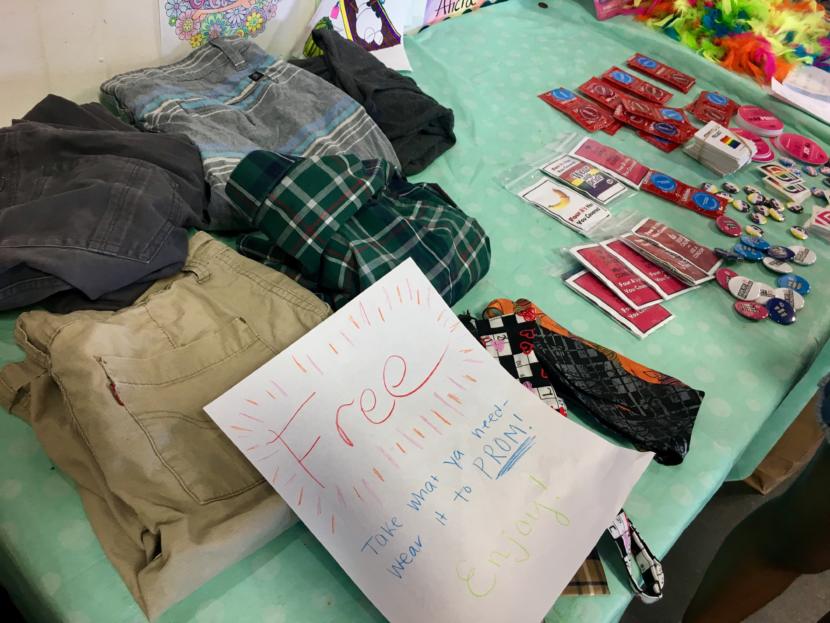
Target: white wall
69, 47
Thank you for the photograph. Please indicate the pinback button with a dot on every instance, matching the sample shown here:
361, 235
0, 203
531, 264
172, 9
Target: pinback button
740, 205
730, 187
796, 282
756, 242
750, 310
795, 208
775, 204
782, 254
811, 171
780, 311
786, 162
763, 292
791, 296
728, 226
777, 266
755, 198
709, 188
723, 275
824, 170
776, 215
749, 189
799, 232
761, 209
740, 288
817, 192
748, 253
803, 255
724, 195
754, 231
729, 256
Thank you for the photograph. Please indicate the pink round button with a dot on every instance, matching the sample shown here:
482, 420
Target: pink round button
751, 310
759, 120
723, 275
801, 148
764, 153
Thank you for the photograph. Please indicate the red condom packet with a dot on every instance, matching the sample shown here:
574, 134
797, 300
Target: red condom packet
615, 274
662, 281
650, 110
698, 255
602, 92
660, 143
661, 73
640, 323
674, 131
590, 116
637, 86
712, 106
609, 159
685, 196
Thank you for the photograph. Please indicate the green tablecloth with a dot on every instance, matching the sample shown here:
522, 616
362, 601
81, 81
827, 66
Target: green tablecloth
488, 66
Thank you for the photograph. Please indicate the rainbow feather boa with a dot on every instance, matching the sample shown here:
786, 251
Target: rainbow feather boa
760, 38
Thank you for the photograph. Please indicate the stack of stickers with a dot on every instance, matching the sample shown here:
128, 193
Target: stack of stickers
629, 276
719, 149
575, 189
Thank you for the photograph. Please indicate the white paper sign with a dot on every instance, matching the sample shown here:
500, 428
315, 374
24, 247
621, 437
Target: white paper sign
445, 489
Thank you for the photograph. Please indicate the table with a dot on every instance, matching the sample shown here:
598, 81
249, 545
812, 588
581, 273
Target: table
489, 67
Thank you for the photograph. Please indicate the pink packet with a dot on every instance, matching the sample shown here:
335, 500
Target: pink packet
640, 323
651, 273
615, 274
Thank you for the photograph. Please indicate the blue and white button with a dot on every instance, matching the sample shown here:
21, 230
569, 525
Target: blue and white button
796, 282
781, 311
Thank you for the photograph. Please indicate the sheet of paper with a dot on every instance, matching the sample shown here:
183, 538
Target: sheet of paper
818, 108
442, 486
374, 26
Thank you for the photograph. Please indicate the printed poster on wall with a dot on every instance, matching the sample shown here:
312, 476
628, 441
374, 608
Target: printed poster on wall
442, 486
427, 12
375, 25
189, 24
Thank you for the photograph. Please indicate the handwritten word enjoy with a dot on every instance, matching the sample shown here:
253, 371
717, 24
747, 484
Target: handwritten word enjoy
393, 375
511, 546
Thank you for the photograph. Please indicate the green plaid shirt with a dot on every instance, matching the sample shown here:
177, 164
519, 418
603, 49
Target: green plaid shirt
337, 224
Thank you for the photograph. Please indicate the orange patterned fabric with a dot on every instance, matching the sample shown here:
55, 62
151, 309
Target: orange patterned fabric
529, 311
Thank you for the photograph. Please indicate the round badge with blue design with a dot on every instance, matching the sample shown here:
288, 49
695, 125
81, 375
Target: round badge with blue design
795, 282
563, 95
780, 253
748, 253
717, 98
705, 201
669, 113
780, 311
646, 62
755, 242
663, 182
621, 76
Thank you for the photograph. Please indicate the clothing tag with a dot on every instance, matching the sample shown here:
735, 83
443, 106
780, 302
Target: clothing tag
256, 76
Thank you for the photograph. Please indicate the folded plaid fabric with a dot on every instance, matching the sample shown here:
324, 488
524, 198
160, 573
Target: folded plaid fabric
337, 224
